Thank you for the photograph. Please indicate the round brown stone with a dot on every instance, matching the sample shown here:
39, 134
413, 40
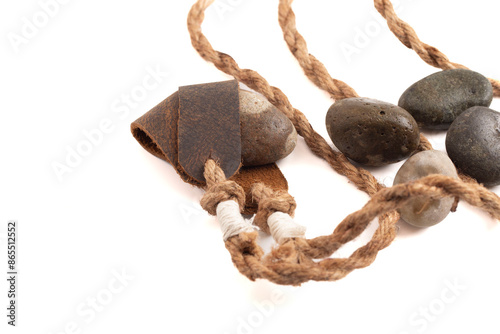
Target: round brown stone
267, 135
372, 132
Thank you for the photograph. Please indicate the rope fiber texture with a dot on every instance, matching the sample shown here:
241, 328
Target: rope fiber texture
292, 262
407, 35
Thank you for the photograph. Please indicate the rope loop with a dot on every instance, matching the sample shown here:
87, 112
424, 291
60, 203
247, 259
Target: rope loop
270, 202
219, 189
295, 259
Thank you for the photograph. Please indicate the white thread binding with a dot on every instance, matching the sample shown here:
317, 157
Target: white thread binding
230, 219
282, 226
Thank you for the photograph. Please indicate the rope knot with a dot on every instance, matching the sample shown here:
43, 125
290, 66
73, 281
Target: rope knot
219, 189
270, 201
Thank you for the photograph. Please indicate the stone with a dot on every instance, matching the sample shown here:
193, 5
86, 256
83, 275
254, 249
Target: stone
436, 100
473, 144
267, 135
419, 211
372, 132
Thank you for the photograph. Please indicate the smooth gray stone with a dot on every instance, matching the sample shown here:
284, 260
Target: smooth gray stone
436, 100
473, 143
267, 135
372, 132
424, 212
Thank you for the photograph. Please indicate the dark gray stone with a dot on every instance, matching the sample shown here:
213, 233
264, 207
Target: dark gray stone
436, 100
372, 132
267, 135
419, 211
473, 144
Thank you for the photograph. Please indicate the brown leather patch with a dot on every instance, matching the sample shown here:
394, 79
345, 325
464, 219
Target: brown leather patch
157, 132
209, 127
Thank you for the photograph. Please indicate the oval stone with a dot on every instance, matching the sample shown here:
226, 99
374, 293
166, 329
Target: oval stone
372, 132
267, 135
436, 100
419, 211
473, 144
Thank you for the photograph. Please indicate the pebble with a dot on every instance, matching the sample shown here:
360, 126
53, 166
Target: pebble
372, 132
267, 135
473, 144
424, 212
436, 100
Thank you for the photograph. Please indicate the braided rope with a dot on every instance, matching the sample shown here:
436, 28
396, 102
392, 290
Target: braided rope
292, 262
407, 35
363, 179
270, 202
313, 68
219, 189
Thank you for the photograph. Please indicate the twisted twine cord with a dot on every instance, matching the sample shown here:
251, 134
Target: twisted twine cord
313, 68
407, 35
293, 261
219, 189
270, 202
296, 43
363, 179
318, 74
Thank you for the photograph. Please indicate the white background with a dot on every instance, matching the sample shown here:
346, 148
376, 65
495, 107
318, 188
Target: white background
121, 209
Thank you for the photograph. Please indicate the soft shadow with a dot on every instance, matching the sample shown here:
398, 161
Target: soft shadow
406, 230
